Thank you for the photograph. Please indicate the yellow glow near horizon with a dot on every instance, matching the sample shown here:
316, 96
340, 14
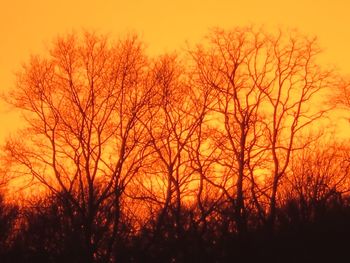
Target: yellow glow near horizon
27, 27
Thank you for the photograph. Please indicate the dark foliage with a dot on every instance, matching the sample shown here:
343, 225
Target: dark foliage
45, 234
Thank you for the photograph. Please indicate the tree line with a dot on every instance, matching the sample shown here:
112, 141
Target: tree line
214, 154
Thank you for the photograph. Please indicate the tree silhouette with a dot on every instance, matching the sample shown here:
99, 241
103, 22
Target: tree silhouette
205, 157
82, 105
264, 87
229, 68
318, 177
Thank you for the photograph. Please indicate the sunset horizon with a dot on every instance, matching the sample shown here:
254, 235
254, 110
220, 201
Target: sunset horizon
187, 131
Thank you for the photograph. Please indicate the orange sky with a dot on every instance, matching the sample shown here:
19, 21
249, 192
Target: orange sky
28, 26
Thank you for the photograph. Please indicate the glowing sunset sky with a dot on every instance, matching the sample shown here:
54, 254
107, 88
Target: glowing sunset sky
28, 26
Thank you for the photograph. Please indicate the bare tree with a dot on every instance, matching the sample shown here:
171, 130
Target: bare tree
235, 67
83, 142
342, 95
318, 176
265, 87
171, 124
293, 103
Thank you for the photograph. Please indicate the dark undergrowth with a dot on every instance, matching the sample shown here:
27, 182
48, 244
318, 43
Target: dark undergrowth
46, 236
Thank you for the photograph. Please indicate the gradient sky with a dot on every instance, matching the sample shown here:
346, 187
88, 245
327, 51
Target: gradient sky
28, 26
